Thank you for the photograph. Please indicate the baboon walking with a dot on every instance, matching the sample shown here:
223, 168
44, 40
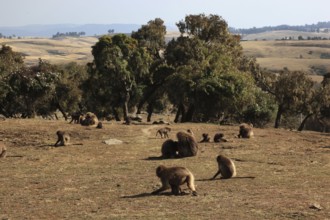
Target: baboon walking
163, 132
63, 138
174, 177
75, 117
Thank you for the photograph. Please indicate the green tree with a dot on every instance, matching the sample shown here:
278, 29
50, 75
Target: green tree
152, 37
319, 102
207, 81
10, 62
119, 65
294, 91
68, 94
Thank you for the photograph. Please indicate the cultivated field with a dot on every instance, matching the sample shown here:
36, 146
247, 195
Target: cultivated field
99, 181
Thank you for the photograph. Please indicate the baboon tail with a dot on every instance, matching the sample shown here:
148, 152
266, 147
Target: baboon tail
191, 182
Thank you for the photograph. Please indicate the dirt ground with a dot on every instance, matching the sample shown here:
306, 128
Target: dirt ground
93, 180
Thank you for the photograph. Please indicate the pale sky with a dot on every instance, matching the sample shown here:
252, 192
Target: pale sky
237, 13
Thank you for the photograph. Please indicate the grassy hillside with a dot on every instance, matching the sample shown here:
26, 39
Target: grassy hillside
311, 56
56, 51
99, 181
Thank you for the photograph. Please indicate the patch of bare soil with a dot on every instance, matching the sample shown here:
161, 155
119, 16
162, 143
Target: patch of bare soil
92, 180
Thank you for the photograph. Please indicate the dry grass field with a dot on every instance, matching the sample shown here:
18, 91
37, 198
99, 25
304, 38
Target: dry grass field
295, 55
56, 51
273, 55
99, 181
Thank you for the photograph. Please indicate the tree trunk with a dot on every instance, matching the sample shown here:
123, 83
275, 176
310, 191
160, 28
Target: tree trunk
146, 97
302, 125
190, 113
125, 108
181, 112
62, 111
278, 116
115, 112
150, 110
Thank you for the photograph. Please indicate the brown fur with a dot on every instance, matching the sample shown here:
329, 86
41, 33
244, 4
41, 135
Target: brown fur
226, 167
99, 125
89, 119
187, 145
75, 117
163, 132
63, 139
218, 137
174, 177
205, 138
169, 149
245, 131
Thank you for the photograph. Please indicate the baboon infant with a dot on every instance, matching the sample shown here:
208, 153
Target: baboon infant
63, 138
218, 137
163, 132
226, 167
205, 138
174, 177
245, 131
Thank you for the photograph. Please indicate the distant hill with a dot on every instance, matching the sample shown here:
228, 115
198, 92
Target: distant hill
286, 34
320, 27
50, 30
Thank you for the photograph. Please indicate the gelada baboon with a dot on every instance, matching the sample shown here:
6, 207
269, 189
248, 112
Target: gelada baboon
218, 137
63, 138
89, 119
187, 145
205, 138
226, 168
75, 117
169, 149
3, 152
163, 132
174, 177
245, 131
99, 125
